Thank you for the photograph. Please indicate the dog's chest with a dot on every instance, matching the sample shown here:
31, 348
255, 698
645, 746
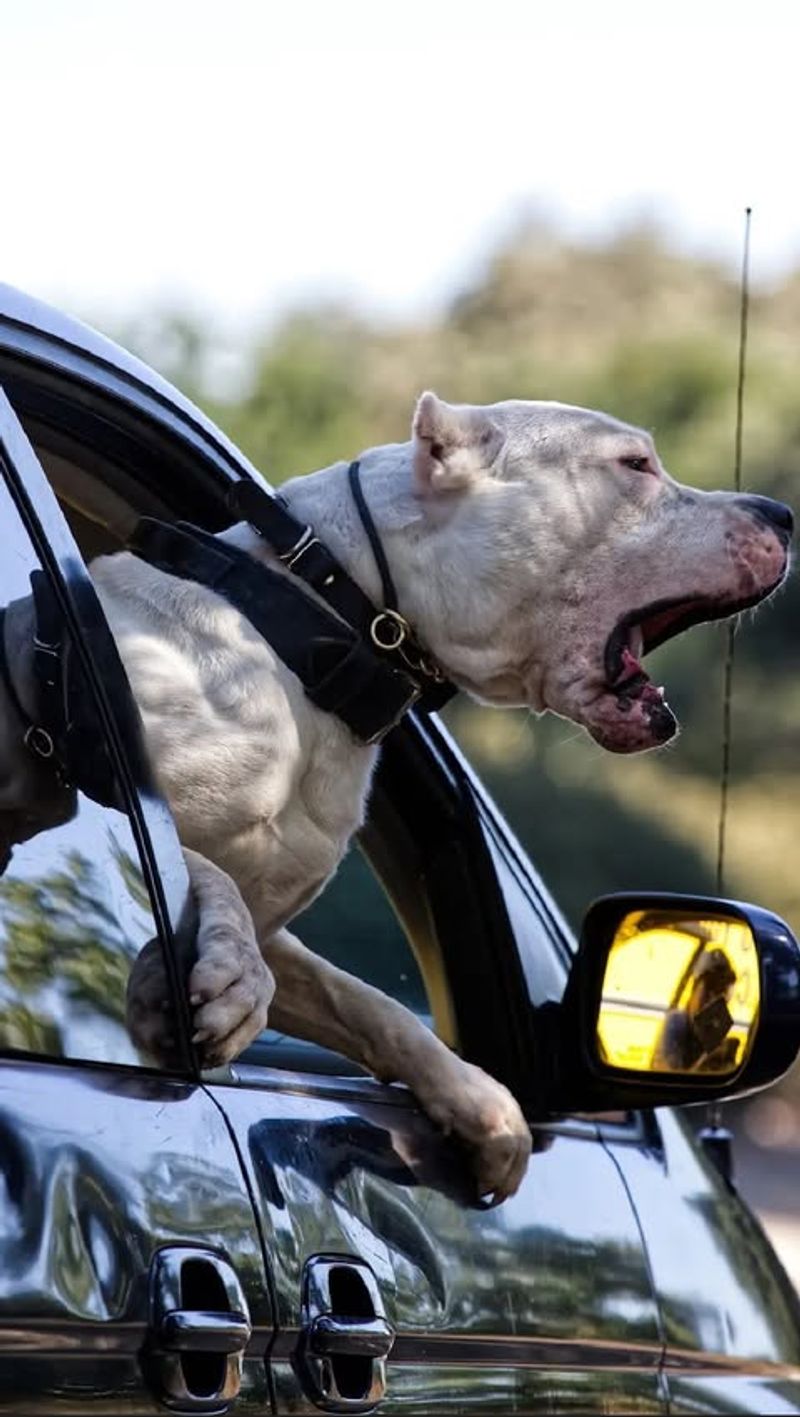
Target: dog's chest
281, 820
259, 780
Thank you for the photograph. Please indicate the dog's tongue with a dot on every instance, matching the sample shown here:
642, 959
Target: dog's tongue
631, 678
633, 682
637, 696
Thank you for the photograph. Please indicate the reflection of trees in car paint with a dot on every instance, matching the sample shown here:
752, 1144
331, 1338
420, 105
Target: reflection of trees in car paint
74, 914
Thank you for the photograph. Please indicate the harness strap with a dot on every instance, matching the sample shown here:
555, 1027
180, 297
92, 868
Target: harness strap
339, 670
41, 735
302, 553
64, 732
5, 672
48, 673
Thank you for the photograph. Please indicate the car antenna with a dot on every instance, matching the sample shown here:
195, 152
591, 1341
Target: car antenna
717, 1140
725, 767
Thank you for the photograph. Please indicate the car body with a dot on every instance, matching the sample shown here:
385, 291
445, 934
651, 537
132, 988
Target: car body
313, 1210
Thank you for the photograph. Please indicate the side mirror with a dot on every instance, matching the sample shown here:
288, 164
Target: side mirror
674, 999
680, 994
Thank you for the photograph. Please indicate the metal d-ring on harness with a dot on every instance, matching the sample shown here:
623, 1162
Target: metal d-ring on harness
41, 734
360, 663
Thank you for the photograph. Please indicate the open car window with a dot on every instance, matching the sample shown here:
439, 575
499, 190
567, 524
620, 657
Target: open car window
443, 946
83, 916
354, 923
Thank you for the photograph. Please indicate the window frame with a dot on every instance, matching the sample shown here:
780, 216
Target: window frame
153, 830
77, 387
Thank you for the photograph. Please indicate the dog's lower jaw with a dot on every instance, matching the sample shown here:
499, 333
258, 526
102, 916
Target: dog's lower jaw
623, 724
618, 722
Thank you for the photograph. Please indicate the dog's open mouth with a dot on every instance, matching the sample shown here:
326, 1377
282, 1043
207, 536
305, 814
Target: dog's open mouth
643, 630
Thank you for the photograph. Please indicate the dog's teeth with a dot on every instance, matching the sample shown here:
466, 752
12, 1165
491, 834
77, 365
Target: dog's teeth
660, 690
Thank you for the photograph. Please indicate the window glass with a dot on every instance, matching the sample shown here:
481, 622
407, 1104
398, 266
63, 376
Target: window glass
353, 925
74, 909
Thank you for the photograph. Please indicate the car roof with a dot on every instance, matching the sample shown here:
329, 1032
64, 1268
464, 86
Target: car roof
23, 313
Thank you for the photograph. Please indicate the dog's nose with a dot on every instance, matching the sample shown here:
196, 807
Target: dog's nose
776, 514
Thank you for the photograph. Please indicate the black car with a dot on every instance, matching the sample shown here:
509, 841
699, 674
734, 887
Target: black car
285, 1234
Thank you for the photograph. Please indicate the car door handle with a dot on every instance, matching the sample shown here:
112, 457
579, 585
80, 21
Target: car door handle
204, 1331
344, 1335
198, 1332
331, 1336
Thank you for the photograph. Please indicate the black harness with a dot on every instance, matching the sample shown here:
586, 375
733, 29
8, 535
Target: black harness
362, 664
355, 661
64, 734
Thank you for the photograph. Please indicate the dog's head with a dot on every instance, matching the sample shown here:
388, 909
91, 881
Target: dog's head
581, 555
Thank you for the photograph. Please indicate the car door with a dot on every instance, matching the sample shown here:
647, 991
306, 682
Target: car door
370, 1228
732, 1317
542, 1303
121, 1195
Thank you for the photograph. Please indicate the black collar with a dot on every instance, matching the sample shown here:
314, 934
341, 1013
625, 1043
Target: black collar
389, 592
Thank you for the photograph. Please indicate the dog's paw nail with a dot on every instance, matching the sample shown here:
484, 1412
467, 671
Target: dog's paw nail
201, 1035
195, 999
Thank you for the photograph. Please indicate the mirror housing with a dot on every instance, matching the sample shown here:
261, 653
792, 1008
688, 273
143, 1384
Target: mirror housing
580, 1072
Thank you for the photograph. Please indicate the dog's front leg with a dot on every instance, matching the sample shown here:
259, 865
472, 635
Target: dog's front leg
318, 1002
230, 986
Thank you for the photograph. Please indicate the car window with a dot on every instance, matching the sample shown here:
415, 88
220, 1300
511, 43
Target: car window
539, 929
75, 913
353, 925
399, 922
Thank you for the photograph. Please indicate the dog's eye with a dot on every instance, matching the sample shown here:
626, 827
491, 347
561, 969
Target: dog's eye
636, 464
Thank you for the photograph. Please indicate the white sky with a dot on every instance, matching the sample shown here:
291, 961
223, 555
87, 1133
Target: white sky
237, 155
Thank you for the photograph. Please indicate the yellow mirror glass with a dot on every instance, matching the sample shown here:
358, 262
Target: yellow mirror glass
680, 994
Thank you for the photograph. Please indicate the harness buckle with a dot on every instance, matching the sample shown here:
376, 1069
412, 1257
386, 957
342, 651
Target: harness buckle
389, 630
38, 740
301, 546
420, 664
414, 695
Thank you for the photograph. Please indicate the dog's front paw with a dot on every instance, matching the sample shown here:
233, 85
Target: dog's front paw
466, 1102
230, 987
230, 991
149, 1014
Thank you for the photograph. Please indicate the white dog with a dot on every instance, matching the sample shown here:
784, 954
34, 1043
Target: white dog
538, 551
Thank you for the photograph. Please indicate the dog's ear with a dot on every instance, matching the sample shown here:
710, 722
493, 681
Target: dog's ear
453, 446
